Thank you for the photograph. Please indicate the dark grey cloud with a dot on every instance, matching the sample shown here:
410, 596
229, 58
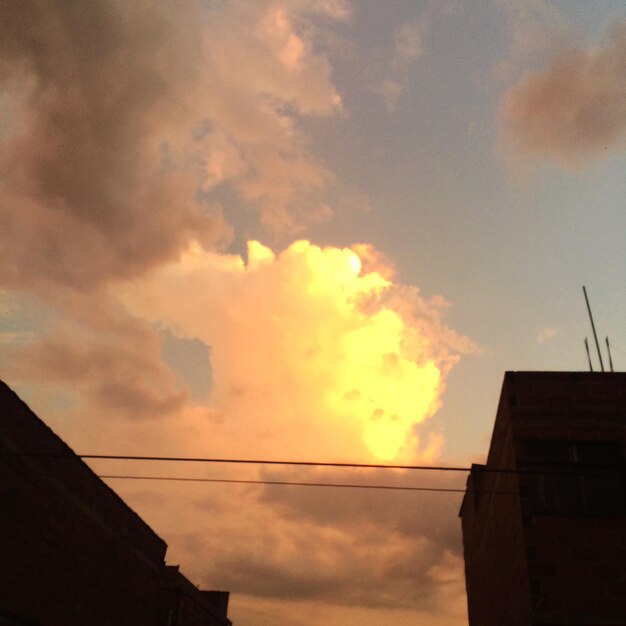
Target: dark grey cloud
111, 360
96, 94
121, 119
347, 547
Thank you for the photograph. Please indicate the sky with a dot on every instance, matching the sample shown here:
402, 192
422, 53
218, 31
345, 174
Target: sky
314, 230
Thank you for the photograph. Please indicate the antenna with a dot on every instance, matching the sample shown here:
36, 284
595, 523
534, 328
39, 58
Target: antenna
593, 327
608, 349
588, 355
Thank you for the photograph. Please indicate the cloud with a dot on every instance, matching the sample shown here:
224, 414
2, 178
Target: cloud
358, 548
281, 73
110, 362
307, 347
315, 354
123, 124
311, 613
305, 561
5, 303
9, 337
408, 41
408, 47
112, 150
535, 29
546, 334
393, 531
95, 91
573, 109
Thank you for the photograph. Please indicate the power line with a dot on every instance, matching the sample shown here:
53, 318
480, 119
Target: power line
480, 469
280, 482
180, 459
299, 484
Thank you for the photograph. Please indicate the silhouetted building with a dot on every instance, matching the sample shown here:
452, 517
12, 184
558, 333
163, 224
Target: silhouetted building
187, 605
545, 539
72, 553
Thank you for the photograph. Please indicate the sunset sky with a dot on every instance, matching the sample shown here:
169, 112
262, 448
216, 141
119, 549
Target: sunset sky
315, 230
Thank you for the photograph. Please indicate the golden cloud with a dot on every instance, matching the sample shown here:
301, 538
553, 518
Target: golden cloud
310, 352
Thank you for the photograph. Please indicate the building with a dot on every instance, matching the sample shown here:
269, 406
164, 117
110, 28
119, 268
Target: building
186, 605
72, 552
544, 520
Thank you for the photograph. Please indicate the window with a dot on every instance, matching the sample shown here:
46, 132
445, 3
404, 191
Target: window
576, 477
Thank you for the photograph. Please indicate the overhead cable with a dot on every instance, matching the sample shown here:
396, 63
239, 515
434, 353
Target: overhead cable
558, 470
295, 483
184, 459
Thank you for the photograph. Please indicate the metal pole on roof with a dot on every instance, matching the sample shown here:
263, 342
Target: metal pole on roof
608, 349
593, 327
588, 355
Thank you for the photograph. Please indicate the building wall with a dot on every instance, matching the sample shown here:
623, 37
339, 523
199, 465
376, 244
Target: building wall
72, 553
495, 558
189, 606
555, 550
